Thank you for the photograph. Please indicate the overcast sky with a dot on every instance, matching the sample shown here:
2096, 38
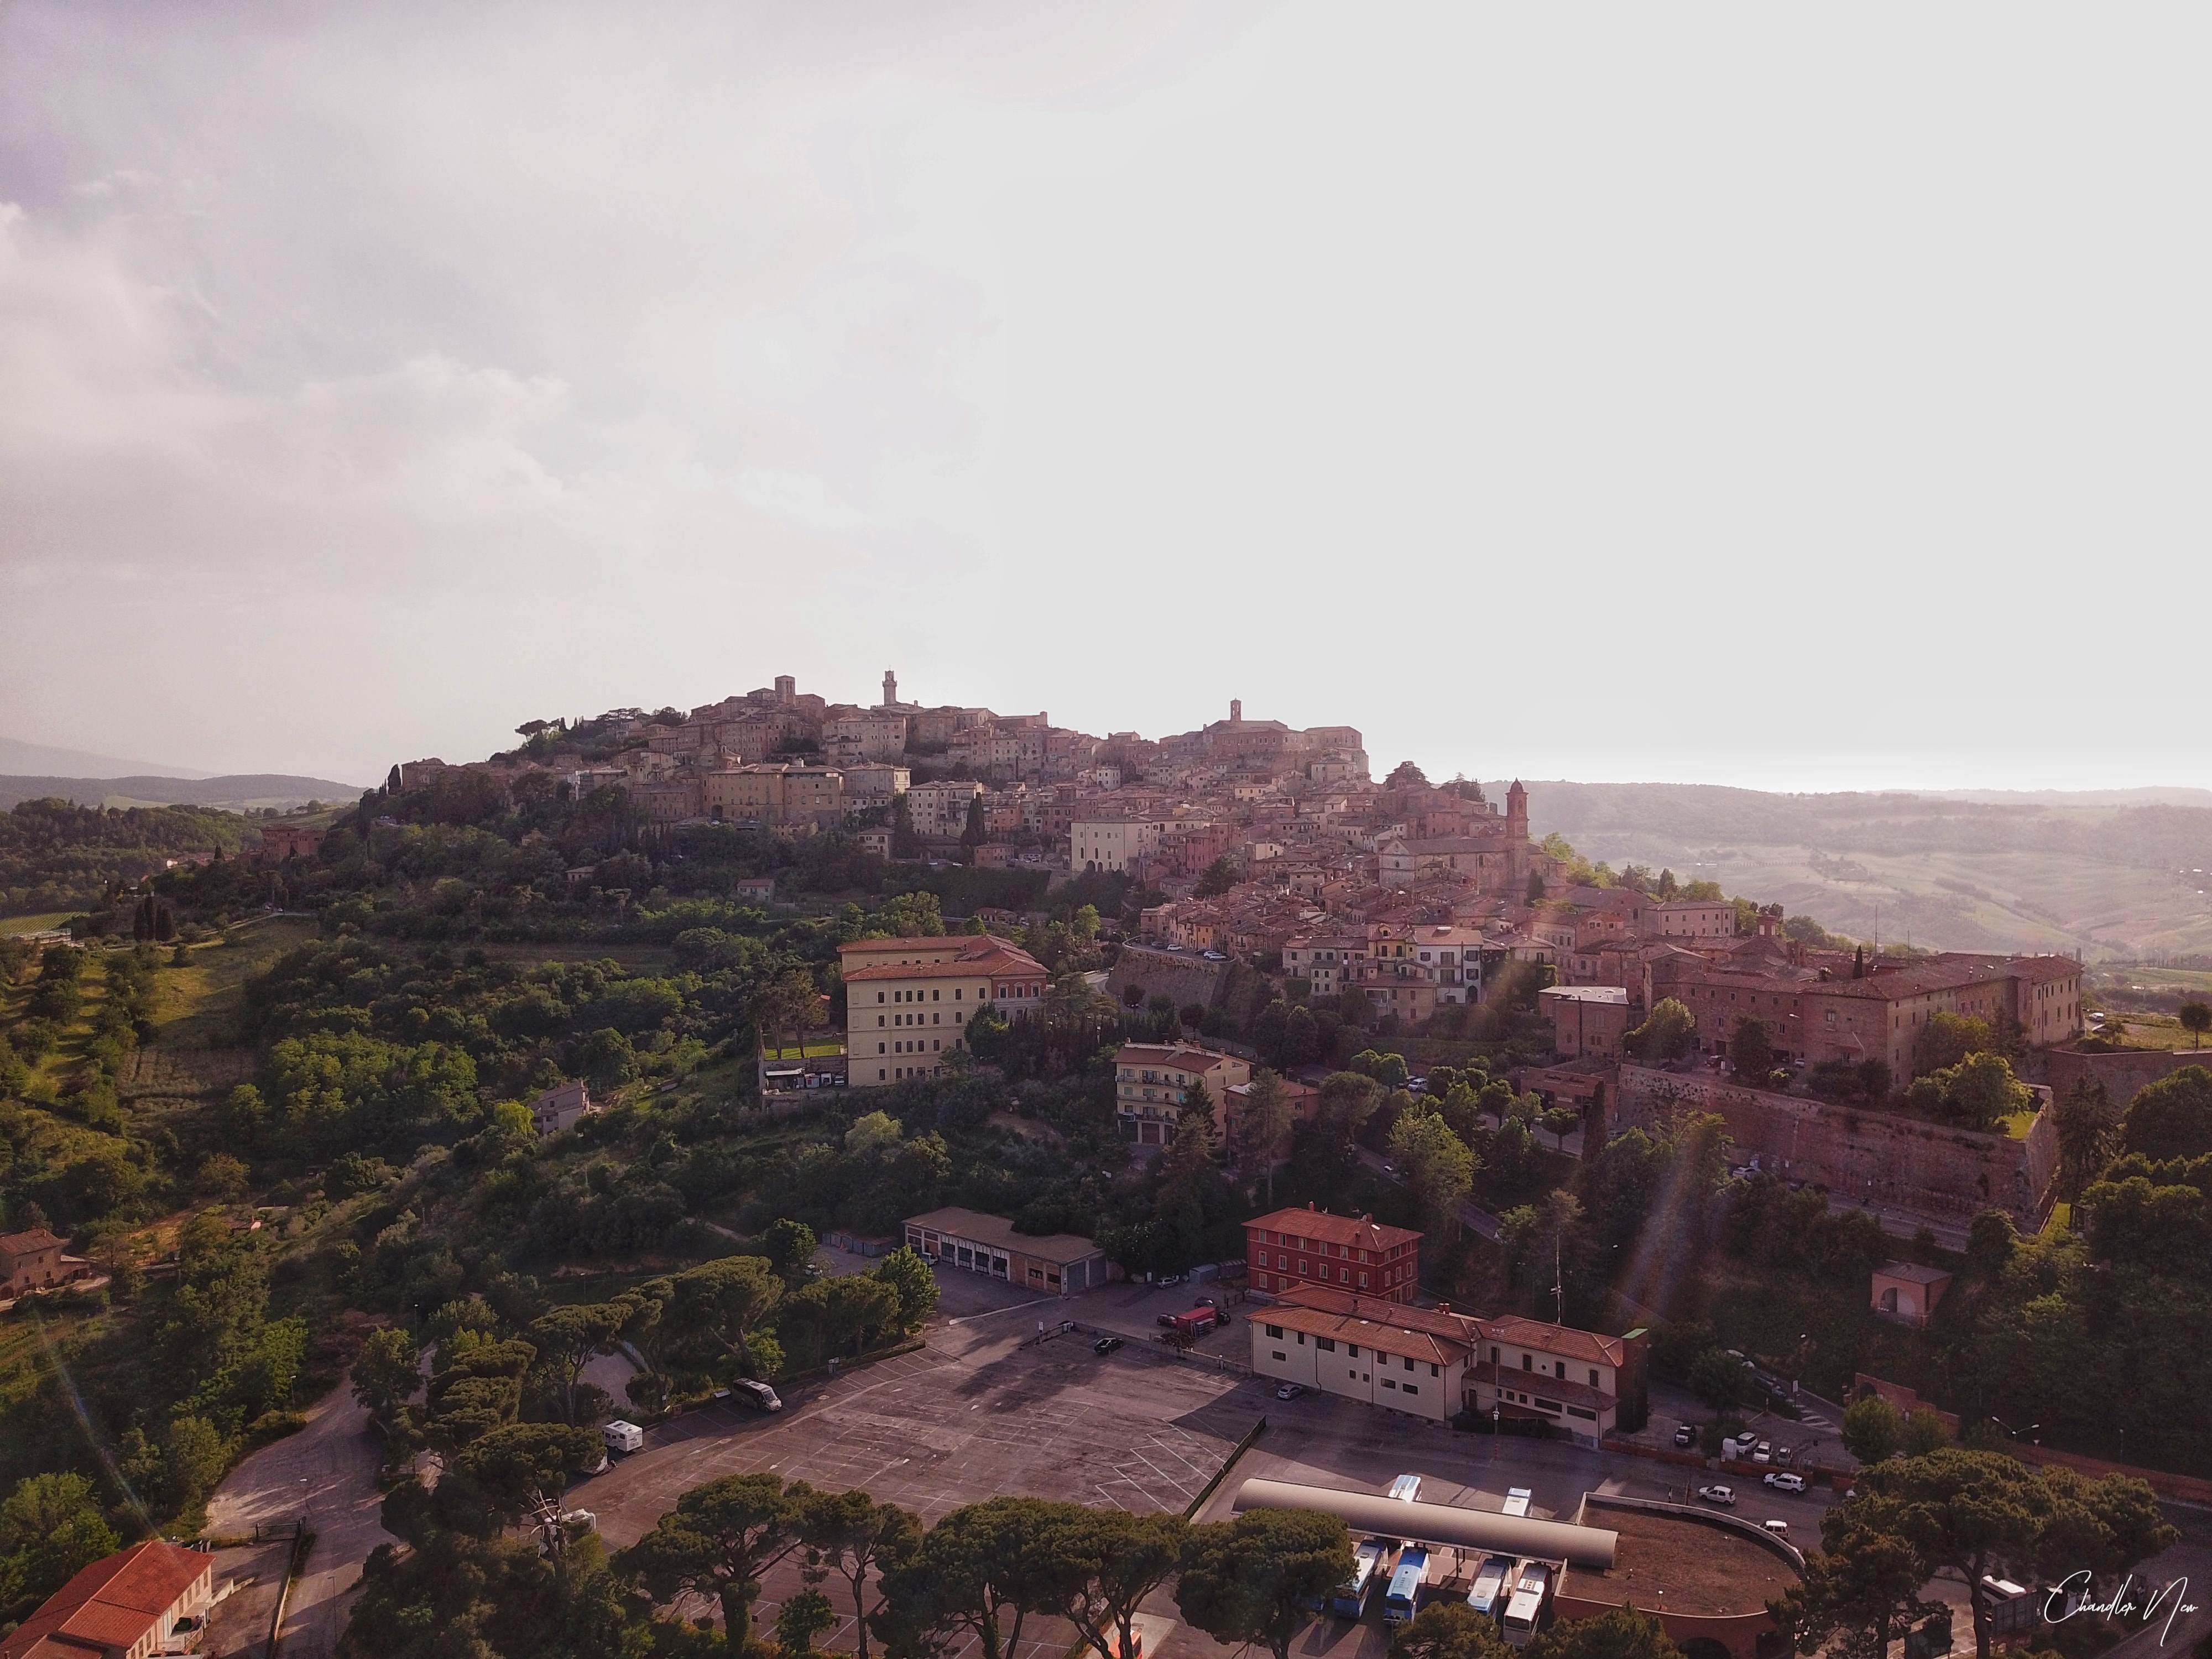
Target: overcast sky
1793, 396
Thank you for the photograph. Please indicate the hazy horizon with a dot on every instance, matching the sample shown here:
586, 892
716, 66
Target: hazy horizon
13, 763
1733, 396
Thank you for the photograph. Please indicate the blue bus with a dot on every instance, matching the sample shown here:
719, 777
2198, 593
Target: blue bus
1402, 1600
1492, 1582
1351, 1599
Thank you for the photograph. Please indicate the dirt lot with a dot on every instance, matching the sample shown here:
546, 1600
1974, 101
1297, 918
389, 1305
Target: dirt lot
1700, 1568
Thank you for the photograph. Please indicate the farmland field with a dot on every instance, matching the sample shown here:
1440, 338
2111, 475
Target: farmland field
1948, 875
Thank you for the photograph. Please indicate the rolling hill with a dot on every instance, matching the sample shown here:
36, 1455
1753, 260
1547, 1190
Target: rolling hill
2105, 877
239, 793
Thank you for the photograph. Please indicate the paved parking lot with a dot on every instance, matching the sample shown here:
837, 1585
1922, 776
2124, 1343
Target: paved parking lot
984, 1409
935, 1429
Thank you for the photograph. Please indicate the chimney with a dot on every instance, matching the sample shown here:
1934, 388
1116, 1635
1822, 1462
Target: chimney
1367, 1220
1309, 1203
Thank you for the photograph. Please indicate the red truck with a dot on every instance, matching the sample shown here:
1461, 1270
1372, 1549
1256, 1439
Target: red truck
1197, 1323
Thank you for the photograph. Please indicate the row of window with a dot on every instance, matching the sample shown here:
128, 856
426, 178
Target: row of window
1343, 1275
1558, 1366
1551, 1405
1315, 1247
912, 1019
911, 1047
1328, 1344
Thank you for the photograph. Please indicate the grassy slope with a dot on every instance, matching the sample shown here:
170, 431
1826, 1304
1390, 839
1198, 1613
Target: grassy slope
34, 924
199, 1004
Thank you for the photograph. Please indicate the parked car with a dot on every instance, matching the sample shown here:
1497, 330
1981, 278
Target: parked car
762, 1398
1783, 1480
1106, 1344
1685, 1436
621, 1438
1289, 1391
1762, 1453
1784, 1454
1724, 1496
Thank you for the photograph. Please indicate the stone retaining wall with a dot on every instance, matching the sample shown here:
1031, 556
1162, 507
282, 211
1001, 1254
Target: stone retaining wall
1884, 1158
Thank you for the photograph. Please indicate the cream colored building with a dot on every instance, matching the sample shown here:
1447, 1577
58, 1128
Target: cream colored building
1692, 919
940, 809
1151, 1082
871, 783
1112, 845
1359, 1348
774, 794
877, 735
908, 1002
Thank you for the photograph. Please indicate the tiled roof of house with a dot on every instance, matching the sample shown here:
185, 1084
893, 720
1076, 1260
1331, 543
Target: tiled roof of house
1363, 1232
1897, 983
29, 1241
977, 953
1176, 1058
1912, 1272
1005, 961
1562, 1339
2043, 969
1385, 1333
112, 1603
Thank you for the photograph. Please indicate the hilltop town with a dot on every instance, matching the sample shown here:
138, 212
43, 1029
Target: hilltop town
726, 1108
1257, 842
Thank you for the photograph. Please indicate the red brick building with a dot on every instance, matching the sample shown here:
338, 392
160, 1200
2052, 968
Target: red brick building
280, 842
1312, 1247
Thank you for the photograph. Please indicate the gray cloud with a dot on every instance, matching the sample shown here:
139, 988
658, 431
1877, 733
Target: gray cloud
1761, 400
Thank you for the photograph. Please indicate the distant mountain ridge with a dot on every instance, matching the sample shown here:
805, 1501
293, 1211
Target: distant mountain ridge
21, 759
238, 793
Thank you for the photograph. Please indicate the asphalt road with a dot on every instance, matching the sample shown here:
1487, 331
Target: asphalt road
326, 1473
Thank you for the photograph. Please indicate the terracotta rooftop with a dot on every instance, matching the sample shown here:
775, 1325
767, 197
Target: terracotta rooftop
1327, 1298
111, 1605
1911, 1273
1004, 960
28, 1241
962, 955
1361, 1232
1894, 984
1383, 1333
1180, 1058
1562, 1339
